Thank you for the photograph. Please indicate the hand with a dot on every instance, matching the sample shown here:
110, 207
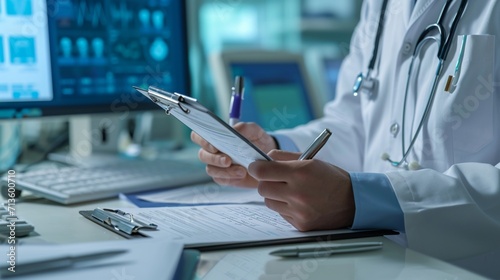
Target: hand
309, 194
220, 166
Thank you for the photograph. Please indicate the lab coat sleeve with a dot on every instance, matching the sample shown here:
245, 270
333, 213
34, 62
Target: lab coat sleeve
438, 208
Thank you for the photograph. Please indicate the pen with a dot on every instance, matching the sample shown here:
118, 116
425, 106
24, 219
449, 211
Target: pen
452, 81
236, 100
59, 262
325, 251
458, 67
318, 143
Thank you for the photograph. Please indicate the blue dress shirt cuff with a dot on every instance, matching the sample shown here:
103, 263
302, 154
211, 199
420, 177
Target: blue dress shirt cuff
376, 203
285, 143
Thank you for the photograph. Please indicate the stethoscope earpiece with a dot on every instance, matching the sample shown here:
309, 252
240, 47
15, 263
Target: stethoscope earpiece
385, 156
410, 166
414, 166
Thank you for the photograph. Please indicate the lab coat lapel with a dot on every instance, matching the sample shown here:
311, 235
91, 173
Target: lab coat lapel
420, 9
424, 13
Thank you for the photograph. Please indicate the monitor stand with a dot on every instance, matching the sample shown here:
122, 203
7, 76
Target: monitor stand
106, 138
10, 144
94, 135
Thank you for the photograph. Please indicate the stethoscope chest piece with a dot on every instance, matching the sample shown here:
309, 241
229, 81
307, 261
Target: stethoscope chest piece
364, 85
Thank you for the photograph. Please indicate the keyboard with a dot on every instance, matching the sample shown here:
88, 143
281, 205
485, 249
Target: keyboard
22, 228
70, 185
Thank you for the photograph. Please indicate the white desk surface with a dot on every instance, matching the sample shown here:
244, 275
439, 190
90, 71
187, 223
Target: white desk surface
63, 224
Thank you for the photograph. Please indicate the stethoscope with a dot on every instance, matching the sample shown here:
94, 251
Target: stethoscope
444, 44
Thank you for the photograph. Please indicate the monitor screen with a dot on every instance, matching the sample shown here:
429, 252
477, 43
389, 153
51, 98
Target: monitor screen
276, 95
83, 56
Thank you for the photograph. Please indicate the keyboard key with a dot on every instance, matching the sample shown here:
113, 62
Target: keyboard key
22, 228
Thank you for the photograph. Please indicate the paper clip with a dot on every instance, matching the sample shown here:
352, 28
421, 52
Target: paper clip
121, 221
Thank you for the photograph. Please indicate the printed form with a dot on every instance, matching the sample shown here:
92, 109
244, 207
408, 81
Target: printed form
221, 224
205, 193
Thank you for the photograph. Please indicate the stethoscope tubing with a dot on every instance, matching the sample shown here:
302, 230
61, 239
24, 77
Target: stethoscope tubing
423, 120
444, 44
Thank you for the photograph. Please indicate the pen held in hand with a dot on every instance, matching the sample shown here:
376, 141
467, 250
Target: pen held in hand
318, 143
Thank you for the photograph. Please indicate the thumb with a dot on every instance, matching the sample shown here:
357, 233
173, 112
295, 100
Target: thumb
283, 155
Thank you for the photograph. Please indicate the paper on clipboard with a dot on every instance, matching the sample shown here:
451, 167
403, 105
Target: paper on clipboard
207, 125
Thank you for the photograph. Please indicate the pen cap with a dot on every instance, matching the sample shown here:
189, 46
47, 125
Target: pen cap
316, 145
239, 85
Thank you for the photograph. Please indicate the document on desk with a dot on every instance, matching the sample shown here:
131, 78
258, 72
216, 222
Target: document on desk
138, 259
207, 193
230, 226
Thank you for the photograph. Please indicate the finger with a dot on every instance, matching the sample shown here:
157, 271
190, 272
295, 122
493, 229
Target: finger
270, 170
273, 190
216, 159
221, 177
283, 155
289, 219
234, 171
247, 182
203, 143
247, 129
279, 206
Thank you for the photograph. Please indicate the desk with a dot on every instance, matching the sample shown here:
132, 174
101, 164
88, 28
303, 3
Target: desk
63, 224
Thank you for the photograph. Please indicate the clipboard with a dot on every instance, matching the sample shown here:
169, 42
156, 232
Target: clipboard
206, 124
137, 229
119, 222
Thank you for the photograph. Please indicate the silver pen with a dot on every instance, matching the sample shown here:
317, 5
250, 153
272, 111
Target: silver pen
318, 143
325, 251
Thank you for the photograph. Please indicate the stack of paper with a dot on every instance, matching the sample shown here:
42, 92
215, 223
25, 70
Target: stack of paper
129, 259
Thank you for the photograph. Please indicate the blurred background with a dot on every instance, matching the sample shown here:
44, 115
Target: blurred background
318, 29
56, 84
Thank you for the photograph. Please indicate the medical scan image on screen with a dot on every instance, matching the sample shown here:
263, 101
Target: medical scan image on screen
85, 55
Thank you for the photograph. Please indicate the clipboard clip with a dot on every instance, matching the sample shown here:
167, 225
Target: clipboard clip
157, 95
121, 221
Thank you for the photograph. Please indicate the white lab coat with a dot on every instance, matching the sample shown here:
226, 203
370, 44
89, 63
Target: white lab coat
452, 205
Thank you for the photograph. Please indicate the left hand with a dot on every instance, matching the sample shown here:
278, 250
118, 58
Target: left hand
309, 194
221, 167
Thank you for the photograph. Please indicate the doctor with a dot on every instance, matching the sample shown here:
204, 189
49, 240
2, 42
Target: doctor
415, 150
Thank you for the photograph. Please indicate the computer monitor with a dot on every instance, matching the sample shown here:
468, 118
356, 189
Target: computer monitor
278, 90
83, 56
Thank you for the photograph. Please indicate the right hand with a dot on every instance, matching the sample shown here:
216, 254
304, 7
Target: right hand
220, 166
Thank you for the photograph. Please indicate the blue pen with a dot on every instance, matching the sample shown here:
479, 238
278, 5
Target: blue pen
236, 100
